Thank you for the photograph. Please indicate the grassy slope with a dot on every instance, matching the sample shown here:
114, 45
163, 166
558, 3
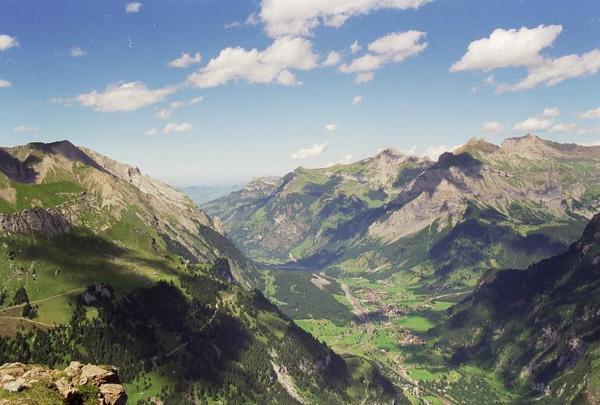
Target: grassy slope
132, 257
537, 328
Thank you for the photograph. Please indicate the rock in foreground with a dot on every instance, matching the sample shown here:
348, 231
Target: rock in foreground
77, 384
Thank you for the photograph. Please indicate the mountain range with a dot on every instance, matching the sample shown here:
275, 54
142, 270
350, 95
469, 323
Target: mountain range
499, 206
400, 259
102, 264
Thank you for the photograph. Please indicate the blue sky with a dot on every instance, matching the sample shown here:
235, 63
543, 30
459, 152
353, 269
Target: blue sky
278, 84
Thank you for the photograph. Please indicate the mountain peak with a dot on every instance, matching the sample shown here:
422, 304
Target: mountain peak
67, 150
390, 153
477, 145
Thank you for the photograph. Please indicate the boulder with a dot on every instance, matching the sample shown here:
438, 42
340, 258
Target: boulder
17, 378
113, 394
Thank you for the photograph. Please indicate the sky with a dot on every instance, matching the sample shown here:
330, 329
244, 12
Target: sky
216, 92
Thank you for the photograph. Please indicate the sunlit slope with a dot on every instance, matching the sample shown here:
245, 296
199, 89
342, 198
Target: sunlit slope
101, 264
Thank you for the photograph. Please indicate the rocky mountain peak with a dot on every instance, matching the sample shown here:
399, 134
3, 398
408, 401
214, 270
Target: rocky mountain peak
477, 145
390, 153
67, 150
449, 159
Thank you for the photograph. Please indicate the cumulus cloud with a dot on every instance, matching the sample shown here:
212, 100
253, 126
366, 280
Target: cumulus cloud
394, 47
251, 21
364, 77
551, 112
166, 113
25, 129
333, 58
176, 127
590, 114
310, 152
492, 127
533, 124
434, 152
77, 52
347, 159
355, 47
272, 65
573, 129
522, 48
506, 48
330, 127
132, 8
7, 42
553, 71
171, 128
185, 60
293, 17
129, 96
356, 100
4, 84
538, 123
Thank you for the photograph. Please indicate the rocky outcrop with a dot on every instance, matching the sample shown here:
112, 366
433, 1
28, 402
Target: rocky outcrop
48, 222
16, 379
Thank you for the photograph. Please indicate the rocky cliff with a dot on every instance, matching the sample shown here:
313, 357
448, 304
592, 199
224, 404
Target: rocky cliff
77, 384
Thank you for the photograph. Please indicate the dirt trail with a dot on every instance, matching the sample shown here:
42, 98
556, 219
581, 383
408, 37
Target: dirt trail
19, 318
43, 300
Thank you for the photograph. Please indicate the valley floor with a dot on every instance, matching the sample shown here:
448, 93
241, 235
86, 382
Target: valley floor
386, 321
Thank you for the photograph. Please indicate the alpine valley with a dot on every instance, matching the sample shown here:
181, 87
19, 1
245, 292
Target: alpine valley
398, 259
103, 265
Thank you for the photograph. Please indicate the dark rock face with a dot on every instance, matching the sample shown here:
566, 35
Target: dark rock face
48, 222
67, 150
16, 170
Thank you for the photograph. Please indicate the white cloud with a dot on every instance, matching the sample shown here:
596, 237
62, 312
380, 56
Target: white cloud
553, 71
310, 152
271, 65
7, 42
5, 84
540, 122
347, 159
185, 60
394, 47
25, 129
294, 17
364, 77
590, 114
356, 100
411, 151
522, 48
492, 127
333, 58
176, 128
355, 47
594, 143
171, 128
166, 113
551, 112
506, 48
77, 52
533, 124
434, 152
251, 21
132, 8
330, 127
129, 96
573, 129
